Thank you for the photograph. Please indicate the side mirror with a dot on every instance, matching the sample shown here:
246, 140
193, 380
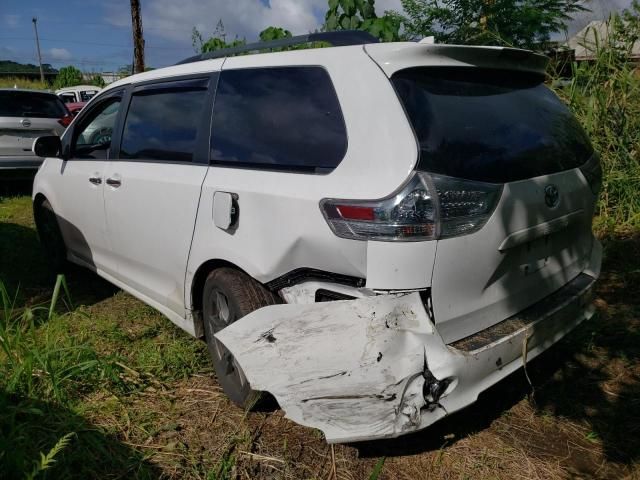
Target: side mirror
49, 146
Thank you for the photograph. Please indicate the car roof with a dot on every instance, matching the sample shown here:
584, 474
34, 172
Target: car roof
78, 87
390, 56
313, 55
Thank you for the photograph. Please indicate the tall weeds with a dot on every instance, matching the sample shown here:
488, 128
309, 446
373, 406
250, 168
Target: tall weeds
18, 82
37, 360
605, 95
42, 370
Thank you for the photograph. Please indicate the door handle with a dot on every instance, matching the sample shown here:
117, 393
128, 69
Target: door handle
95, 180
114, 182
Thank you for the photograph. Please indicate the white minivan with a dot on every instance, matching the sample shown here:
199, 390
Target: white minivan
372, 233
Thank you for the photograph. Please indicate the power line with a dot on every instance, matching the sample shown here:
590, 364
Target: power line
110, 25
100, 44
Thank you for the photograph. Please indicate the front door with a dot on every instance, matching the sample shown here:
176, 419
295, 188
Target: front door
80, 186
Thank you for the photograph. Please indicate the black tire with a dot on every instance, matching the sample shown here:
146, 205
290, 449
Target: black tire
51, 237
229, 295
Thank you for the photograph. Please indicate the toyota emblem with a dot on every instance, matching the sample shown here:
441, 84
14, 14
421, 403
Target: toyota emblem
25, 122
551, 196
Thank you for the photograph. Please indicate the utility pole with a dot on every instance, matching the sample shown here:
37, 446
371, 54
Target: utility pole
35, 27
138, 40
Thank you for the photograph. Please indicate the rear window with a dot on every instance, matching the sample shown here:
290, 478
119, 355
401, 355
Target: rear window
87, 95
282, 118
489, 125
31, 104
68, 97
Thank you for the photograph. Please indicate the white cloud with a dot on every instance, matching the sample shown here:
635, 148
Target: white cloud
11, 20
59, 54
244, 18
384, 5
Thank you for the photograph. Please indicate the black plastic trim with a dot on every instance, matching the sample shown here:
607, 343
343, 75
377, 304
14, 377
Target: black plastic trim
551, 311
200, 82
324, 295
301, 275
341, 38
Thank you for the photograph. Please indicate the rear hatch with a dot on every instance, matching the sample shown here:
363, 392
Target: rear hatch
25, 116
502, 128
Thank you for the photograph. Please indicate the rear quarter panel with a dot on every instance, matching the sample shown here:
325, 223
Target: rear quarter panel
281, 227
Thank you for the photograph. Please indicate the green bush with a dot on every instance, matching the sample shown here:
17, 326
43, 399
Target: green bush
605, 95
68, 77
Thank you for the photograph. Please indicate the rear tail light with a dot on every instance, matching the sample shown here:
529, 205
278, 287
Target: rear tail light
427, 207
66, 120
592, 171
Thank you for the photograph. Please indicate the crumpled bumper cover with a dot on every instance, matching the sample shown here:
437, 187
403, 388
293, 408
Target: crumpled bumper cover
375, 367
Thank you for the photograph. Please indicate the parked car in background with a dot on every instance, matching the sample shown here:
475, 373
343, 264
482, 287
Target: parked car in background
79, 93
24, 116
75, 107
77, 97
374, 233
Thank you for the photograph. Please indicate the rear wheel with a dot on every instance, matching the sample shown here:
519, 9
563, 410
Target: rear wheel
228, 296
50, 236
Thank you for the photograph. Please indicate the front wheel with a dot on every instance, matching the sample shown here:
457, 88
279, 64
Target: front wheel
228, 296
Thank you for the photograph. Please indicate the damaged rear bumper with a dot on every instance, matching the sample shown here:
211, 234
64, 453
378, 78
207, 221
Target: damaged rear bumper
376, 367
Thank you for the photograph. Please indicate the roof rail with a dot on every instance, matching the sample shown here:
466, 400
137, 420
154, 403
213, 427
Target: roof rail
341, 38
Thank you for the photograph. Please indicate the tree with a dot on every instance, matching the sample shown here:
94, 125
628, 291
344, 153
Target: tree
217, 41
517, 23
274, 33
68, 77
361, 15
97, 80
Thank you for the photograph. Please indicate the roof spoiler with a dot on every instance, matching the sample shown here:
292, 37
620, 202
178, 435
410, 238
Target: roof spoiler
394, 57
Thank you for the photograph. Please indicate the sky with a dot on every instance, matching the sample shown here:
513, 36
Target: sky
95, 35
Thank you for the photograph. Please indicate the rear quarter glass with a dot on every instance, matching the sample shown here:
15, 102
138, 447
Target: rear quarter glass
489, 125
278, 118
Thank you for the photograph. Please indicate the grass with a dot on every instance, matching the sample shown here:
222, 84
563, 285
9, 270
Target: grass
134, 397
11, 82
605, 95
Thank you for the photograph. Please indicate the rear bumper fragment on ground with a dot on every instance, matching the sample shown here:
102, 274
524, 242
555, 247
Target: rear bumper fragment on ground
375, 367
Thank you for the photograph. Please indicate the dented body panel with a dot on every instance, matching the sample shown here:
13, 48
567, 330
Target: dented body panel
362, 369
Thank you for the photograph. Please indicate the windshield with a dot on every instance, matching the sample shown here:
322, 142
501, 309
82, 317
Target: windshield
31, 104
489, 125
